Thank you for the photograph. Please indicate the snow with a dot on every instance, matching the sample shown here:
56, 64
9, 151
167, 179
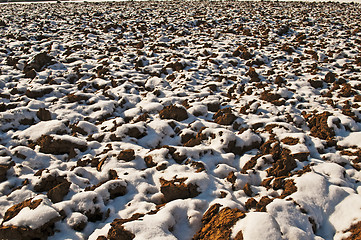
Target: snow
258, 225
98, 59
76, 218
42, 128
353, 139
88, 127
346, 212
178, 214
33, 218
292, 223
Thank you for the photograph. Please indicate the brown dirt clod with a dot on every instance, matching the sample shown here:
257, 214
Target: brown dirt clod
355, 230
118, 232
226, 119
142, 118
283, 166
302, 156
115, 189
253, 75
237, 150
177, 189
271, 147
262, 204
213, 107
57, 146
242, 52
187, 137
21, 233
126, 155
173, 112
289, 187
346, 90
290, 141
304, 170
224, 116
199, 166
287, 48
149, 162
247, 190
251, 203
319, 127
330, 77
280, 80
40, 61
250, 164
43, 114
49, 182
72, 98
135, 132
217, 224
57, 193
79, 226
210, 213
239, 236
175, 155
3, 171
357, 98
14, 210
196, 140
316, 83
38, 93
231, 177
272, 98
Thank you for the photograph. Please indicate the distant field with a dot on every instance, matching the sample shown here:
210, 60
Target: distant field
34, 1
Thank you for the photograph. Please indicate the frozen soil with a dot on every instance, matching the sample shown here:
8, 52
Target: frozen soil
165, 120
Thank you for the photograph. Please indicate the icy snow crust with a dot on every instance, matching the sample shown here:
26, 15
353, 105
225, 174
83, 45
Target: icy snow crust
112, 67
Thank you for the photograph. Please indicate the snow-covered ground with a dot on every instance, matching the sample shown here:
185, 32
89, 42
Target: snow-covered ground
186, 1
165, 120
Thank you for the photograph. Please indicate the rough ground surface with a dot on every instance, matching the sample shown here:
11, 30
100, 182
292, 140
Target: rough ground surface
165, 120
